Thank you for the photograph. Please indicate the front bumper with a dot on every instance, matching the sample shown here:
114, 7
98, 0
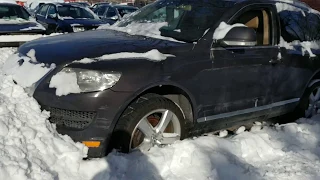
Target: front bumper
100, 110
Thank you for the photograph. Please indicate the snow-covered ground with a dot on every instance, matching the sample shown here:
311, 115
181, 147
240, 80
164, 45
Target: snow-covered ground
30, 148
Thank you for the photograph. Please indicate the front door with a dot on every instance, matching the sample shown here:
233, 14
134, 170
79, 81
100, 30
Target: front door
241, 78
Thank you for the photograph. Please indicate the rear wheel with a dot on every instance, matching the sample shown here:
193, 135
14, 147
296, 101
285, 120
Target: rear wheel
150, 121
310, 103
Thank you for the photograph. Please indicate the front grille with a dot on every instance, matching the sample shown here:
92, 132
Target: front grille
71, 119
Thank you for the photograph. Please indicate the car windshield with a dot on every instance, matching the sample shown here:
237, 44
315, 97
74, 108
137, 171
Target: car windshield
123, 10
184, 20
12, 12
74, 12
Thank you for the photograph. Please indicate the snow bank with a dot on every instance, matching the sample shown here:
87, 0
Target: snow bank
25, 70
286, 152
30, 148
153, 55
223, 29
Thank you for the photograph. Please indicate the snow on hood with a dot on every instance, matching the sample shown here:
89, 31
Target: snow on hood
66, 83
143, 29
223, 29
18, 21
152, 55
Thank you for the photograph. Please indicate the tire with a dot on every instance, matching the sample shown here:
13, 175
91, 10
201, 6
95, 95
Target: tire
306, 103
129, 135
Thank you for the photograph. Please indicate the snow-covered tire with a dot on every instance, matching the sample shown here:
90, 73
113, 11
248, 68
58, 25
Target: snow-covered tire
150, 120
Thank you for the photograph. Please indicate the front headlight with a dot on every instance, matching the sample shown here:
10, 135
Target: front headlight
91, 80
78, 29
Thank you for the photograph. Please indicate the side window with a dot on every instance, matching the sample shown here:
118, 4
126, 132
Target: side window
293, 25
111, 12
260, 21
43, 10
52, 11
100, 11
312, 29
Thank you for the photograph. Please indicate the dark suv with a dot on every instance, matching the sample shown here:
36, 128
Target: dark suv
262, 63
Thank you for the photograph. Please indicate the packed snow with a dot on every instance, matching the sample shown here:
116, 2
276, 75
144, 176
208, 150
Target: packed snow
65, 83
20, 69
152, 55
223, 29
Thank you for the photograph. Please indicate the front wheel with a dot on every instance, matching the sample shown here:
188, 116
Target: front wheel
149, 121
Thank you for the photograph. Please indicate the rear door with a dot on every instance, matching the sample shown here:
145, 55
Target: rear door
240, 85
51, 23
297, 61
41, 15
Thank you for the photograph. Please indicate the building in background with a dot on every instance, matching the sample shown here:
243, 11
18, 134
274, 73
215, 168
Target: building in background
315, 4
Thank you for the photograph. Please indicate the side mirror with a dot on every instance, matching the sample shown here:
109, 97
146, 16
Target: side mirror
239, 36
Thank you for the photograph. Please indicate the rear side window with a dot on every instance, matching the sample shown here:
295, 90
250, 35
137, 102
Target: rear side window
313, 27
52, 10
111, 12
299, 25
100, 11
43, 10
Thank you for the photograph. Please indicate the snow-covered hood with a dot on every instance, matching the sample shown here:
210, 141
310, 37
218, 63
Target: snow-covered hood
62, 49
20, 26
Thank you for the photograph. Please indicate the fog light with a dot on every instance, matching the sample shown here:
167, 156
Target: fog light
91, 143
78, 29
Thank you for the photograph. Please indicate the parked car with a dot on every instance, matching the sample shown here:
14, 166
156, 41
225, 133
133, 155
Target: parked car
63, 17
112, 13
14, 19
219, 65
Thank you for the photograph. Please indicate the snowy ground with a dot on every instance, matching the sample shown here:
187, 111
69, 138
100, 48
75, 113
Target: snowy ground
30, 148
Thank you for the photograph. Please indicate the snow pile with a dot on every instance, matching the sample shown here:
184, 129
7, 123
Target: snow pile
223, 29
65, 83
286, 152
30, 148
144, 29
152, 55
20, 69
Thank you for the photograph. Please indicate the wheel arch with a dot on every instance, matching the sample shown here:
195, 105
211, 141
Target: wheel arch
171, 91
314, 79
